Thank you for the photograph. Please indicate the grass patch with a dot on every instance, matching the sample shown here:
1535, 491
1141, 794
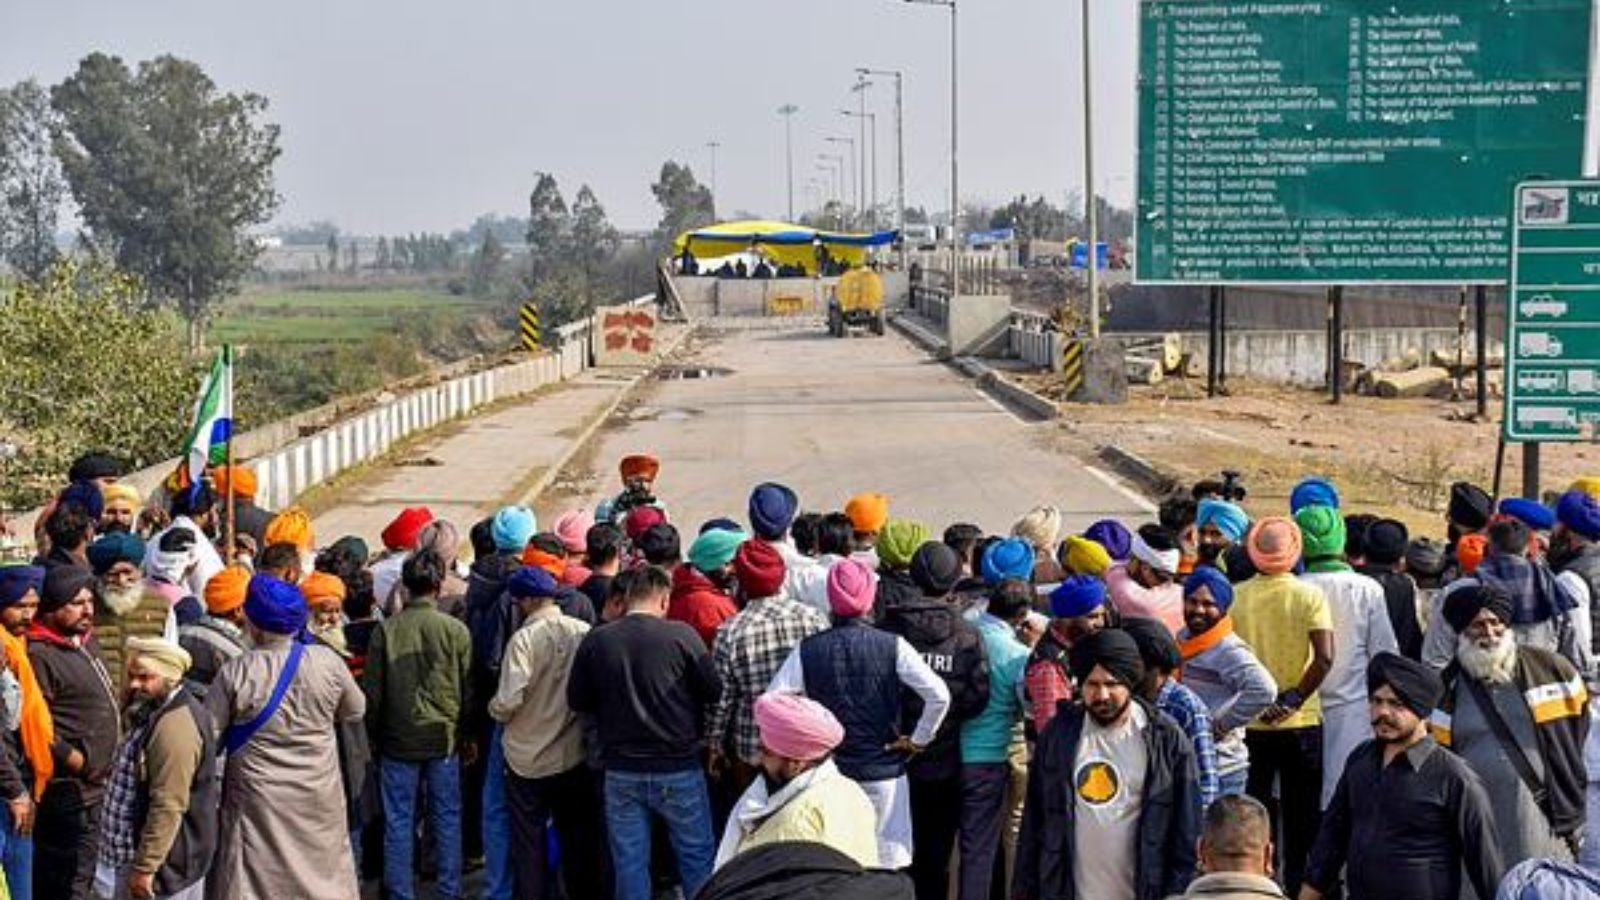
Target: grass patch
320, 317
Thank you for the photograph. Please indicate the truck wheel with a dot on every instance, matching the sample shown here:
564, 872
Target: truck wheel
877, 324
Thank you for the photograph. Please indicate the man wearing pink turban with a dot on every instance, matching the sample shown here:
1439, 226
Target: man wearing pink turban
801, 795
859, 674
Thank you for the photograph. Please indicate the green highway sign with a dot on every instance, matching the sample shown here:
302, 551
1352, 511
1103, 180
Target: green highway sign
1553, 326
1349, 141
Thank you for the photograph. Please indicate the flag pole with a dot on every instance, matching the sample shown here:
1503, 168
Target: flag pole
228, 532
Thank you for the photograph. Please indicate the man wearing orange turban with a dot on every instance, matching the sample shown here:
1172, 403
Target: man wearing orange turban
1287, 622
219, 635
868, 514
325, 595
639, 473
242, 484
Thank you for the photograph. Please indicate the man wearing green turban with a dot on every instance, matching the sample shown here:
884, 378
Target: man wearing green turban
1361, 631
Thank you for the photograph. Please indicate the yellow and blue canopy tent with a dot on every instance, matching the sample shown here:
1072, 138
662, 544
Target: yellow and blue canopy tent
782, 242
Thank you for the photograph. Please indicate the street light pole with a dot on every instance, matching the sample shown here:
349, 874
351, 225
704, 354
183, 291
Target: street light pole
855, 178
955, 182
860, 90
899, 151
1091, 259
787, 111
712, 146
871, 181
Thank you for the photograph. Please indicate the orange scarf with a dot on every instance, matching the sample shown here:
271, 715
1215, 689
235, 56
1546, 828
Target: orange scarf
1200, 643
37, 731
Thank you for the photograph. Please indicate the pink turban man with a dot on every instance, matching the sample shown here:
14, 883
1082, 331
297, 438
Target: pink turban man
800, 794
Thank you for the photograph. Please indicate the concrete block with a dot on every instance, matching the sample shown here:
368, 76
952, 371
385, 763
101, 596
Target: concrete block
1105, 378
978, 323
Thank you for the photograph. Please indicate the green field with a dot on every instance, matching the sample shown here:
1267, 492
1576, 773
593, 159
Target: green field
318, 317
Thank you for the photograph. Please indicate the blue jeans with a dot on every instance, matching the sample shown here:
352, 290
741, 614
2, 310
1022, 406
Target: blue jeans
680, 799
496, 822
16, 858
441, 778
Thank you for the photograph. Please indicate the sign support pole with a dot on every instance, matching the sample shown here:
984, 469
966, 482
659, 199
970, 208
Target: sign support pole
1213, 342
1480, 297
1336, 341
1222, 340
1530, 470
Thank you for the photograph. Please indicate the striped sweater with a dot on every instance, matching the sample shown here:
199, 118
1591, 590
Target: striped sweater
1558, 700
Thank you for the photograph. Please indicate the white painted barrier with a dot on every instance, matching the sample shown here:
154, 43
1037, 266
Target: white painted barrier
287, 472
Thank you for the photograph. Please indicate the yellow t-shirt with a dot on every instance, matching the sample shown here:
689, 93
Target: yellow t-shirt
1275, 615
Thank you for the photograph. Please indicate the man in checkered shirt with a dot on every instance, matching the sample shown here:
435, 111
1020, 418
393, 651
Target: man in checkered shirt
749, 649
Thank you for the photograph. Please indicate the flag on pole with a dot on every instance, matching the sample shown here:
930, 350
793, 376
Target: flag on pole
212, 427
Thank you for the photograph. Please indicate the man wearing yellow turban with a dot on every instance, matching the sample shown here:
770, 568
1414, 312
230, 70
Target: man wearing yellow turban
167, 760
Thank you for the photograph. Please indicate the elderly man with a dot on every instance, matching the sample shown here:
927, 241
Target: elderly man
1548, 610
283, 830
547, 774
801, 794
1077, 610
1406, 817
747, 652
27, 762
1516, 714
1219, 667
159, 828
1145, 586
1113, 810
1235, 852
87, 727
1361, 630
862, 675
130, 605
1286, 622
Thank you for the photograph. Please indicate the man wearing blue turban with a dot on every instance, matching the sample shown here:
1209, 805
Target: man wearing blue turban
283, 829
1220, 524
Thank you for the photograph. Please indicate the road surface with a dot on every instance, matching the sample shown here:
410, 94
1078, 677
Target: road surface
832, 417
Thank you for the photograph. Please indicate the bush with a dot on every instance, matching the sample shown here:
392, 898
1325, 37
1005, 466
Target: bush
84, 366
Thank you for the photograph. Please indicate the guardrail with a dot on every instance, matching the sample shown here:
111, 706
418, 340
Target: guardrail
1033, 337
931, 303
286, 473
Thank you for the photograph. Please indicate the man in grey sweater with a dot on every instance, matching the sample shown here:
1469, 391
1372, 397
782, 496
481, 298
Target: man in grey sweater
1219, 667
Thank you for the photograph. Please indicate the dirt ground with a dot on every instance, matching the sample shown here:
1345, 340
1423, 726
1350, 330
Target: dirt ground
1389, 457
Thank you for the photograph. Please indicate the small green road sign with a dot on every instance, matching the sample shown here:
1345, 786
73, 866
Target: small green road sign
1349, 141
1553, 324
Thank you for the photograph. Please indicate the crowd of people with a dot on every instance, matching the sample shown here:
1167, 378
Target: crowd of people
796, 703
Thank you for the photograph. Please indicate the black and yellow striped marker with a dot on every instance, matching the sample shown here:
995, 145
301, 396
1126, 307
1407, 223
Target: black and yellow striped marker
1072, 366
530, 327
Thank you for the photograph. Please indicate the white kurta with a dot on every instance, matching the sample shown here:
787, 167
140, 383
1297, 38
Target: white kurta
1361, 630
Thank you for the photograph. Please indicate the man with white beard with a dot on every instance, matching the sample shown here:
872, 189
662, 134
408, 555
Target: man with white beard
130, 604
1517, 715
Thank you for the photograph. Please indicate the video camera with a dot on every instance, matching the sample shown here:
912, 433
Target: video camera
1232, 490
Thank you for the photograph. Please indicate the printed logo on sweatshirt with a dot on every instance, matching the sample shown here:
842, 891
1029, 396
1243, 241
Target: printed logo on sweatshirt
1098, 782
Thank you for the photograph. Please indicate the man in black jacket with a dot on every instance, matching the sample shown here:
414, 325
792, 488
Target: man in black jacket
1383, 549
88, 727
648, 682
1113, 807
953, 648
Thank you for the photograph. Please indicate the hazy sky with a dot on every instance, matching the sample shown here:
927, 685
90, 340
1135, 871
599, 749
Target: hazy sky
408, 115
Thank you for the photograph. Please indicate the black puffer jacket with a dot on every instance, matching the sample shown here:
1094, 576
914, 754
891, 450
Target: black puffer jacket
491, 619
953, 648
